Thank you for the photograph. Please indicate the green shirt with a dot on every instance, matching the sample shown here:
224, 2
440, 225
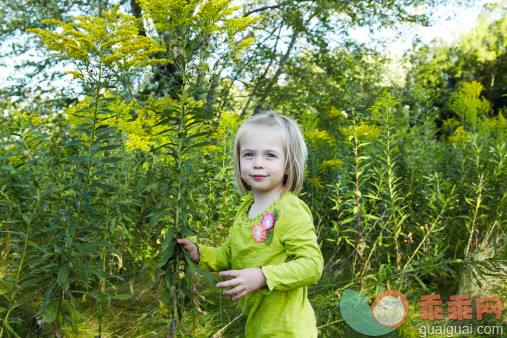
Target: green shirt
290, 262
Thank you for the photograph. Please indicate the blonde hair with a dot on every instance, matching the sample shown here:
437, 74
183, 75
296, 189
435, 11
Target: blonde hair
294, 147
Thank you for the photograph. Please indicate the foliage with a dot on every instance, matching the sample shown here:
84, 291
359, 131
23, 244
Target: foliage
479, 55
93, 193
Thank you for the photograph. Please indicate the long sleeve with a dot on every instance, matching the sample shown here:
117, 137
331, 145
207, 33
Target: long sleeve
215, 259
297, 235
290, 261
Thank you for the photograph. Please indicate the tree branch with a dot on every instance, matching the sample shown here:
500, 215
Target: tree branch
261, 9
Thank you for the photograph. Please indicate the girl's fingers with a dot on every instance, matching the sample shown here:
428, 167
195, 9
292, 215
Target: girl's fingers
228, 283
187, 245
237, 289
232, 273
241, 295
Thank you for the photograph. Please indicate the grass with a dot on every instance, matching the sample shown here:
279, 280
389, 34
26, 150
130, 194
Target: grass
141, 315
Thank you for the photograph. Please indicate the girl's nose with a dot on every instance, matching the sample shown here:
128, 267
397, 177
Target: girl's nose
258, 164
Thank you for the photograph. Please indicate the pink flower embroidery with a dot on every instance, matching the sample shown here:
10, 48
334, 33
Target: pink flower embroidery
268, 220
258, 233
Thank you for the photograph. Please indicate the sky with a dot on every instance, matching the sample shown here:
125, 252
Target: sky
462, 20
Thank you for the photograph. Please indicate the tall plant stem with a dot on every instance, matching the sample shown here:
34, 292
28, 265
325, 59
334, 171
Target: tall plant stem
358, 206
86, 181
478, 202
425, 237
179, 173
21, 263
88, 169
28, 228
392, 193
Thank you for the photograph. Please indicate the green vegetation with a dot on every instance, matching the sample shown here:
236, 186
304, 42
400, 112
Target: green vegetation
406, 179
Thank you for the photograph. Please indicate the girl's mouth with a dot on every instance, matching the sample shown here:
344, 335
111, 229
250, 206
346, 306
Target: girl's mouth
258, 177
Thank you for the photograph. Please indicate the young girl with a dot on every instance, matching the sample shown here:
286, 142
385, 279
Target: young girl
272, 249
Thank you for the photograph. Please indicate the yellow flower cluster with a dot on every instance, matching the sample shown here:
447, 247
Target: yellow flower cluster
198, 19
449, 126
468, 104
319, 137
335, 114
135, 122
111, 41
364, 131
496, 126
223, 136
330, 164
32, 119
317, 182
459, 135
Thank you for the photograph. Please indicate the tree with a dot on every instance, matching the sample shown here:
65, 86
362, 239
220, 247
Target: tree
291, 27
477, 56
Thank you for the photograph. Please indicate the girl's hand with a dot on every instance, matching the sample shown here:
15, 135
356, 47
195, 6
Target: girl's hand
246, 281
191, 248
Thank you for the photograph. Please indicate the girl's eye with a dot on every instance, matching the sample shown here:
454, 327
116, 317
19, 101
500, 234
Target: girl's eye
270, 155
247, 155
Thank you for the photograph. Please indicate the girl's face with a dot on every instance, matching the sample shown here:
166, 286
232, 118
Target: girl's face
262, 159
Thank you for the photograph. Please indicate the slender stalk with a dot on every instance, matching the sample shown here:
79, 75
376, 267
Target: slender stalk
28, 228
425, 237
476, 212
360, 241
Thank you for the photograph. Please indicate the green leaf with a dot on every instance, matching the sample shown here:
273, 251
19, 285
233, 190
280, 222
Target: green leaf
85, 131
98, 272
46, 299
197, 145
269, 235
111, 160
195, 135
173, 107
105, 187
207, 275
28, 283
100, 296
420, 282
122, 297
63, 274
43, 137
51, 311
156, 216
86, 248
109, 147
26, 218
169, 235
10, 329
163, 132
168, 252
347, 220
167, 119
165, 297
186, 231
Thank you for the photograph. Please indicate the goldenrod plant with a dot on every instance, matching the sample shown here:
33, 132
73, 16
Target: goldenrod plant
191, 31
71, 262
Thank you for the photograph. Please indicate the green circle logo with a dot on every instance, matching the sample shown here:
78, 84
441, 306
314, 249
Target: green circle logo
388, 311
